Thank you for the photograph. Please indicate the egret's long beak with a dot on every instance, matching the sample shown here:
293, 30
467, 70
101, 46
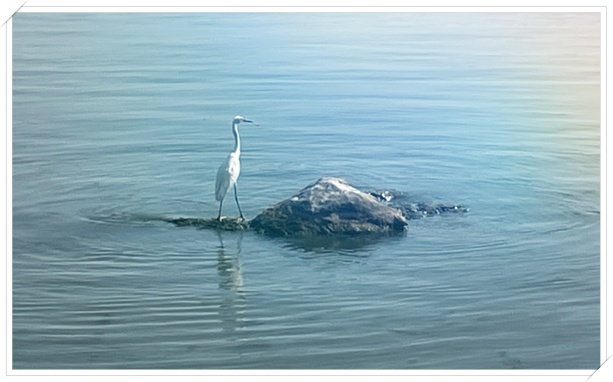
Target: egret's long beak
248, 121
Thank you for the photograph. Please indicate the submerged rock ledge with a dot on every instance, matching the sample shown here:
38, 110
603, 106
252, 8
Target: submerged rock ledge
225, 224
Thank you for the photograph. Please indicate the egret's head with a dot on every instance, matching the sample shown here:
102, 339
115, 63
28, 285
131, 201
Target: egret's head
239, 118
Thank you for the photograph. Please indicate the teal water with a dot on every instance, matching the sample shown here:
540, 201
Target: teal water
117, 117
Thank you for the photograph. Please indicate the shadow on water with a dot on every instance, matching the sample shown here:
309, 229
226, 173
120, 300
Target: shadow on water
348, 244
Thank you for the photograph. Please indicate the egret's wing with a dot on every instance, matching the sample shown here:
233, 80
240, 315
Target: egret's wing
234, 168
222, 183
227, 175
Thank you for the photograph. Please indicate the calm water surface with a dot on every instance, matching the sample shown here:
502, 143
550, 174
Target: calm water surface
120, 117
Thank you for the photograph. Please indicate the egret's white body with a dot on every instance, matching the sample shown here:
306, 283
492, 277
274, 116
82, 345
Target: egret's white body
230, 169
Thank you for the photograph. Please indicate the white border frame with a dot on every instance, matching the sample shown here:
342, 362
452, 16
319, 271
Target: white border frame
313, 6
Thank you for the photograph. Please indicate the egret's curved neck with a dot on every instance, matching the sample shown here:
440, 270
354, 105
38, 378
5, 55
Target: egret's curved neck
237, 138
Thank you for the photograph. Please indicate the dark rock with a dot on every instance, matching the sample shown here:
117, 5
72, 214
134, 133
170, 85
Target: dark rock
326, 207
420, 210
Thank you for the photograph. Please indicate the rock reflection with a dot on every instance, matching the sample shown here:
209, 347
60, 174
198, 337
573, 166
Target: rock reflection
350, 243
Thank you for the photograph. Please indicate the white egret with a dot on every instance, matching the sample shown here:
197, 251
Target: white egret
230, 169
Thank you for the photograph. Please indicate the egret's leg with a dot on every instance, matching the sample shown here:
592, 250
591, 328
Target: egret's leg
238, 205
219, 215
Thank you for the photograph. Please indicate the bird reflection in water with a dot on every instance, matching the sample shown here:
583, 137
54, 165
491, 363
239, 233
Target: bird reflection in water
232, 305
229, 264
